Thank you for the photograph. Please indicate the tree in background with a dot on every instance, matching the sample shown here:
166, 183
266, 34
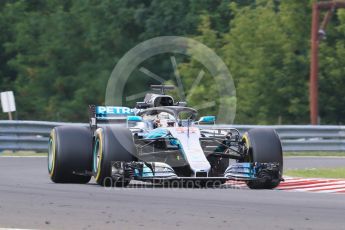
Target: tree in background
57, 55
64, 54
332, 72
267, 54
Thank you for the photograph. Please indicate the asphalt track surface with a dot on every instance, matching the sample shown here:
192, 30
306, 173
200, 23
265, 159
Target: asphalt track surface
28, 199
313, 162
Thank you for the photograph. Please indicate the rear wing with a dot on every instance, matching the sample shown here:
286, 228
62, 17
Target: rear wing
108, 115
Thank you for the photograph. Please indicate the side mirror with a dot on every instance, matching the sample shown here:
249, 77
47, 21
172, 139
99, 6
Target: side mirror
207, 120
134, 118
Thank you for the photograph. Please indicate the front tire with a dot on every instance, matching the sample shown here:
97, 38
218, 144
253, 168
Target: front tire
264, 146
112, 144
70, 152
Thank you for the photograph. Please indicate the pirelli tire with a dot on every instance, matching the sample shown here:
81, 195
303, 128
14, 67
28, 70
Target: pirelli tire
70, 154
264, 146
112, 144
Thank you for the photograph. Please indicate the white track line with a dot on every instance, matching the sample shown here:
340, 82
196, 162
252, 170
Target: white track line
330, 187
332, 190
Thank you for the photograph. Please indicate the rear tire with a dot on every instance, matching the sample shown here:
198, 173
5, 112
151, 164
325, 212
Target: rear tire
112, 144
70, 152
264, 147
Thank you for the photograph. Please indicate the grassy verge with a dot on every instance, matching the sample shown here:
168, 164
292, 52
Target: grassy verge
336, 154
317, 173
21, 153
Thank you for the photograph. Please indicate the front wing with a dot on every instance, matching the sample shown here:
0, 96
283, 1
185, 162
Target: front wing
159, 172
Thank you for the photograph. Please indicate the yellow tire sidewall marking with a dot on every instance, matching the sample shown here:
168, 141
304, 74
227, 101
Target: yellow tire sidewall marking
246, 139
247, 142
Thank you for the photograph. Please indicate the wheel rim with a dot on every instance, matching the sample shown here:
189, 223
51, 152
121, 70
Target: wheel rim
96, 156
50, 155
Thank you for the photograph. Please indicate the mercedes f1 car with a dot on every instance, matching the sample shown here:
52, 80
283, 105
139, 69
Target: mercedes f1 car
162, 141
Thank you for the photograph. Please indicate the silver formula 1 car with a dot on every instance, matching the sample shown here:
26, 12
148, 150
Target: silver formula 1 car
162, 141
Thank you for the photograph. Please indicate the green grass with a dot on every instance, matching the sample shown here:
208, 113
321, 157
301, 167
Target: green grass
21, 153
317, 173
292, 154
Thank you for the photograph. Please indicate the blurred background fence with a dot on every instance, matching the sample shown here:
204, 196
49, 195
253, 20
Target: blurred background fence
33, 135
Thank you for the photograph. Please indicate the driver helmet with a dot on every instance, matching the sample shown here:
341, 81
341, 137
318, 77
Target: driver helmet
166, 119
